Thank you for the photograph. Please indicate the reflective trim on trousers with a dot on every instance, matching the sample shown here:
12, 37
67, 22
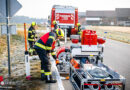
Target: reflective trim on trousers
47, 73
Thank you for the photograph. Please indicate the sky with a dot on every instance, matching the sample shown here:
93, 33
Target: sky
42, 8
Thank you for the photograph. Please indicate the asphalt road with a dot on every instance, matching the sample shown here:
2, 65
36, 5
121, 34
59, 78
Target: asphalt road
117, 56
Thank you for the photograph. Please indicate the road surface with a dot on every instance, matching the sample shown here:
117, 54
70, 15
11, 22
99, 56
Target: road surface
117, 56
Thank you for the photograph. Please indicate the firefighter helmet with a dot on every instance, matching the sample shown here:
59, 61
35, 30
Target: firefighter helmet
54, 22
60, 32
33, 23
78, 24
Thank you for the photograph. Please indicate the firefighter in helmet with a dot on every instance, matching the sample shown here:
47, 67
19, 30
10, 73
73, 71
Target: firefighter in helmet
44, 48
55, 25
32, 37
79, 28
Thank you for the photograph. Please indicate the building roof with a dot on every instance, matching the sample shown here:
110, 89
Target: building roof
123, 12
106, 13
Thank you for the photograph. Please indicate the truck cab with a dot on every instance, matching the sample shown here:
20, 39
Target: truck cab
66, 17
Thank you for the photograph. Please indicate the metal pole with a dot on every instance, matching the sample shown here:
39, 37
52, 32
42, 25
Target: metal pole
65, 35
8, 35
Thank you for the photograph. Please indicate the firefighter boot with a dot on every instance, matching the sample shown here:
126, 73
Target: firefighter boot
49, 79
30, 51
43, 76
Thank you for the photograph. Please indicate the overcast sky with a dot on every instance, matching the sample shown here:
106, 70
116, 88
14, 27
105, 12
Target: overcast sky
42, 8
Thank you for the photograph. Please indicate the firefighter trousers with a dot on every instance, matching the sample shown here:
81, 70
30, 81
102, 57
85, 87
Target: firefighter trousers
45, 63
31, 43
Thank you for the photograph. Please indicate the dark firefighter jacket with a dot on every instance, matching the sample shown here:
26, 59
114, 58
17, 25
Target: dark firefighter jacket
47, 42
31, 34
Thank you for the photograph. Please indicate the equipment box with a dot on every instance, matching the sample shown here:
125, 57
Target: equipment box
89, 37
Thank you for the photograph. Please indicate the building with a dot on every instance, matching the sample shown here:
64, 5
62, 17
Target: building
123, 16
119, 16
82, 17
101, 17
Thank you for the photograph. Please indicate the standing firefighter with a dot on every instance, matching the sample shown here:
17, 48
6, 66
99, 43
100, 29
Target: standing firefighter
79, 28
44, 48
55, 25
32, 37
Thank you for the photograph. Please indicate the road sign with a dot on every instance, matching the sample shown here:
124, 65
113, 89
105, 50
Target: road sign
12, 29
2, 8
105, 32
14, 6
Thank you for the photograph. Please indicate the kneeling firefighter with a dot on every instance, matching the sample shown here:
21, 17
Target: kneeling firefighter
44, 47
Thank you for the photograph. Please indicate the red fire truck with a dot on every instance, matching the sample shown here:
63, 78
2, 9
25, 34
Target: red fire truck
66, 18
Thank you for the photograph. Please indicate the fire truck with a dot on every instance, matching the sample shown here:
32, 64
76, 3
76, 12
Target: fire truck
66, 18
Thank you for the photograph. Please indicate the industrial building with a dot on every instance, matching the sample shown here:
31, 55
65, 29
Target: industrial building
117, 17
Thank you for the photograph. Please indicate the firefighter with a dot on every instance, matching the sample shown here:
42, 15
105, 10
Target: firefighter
32, 37
44, 48
55, 25
79, 28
